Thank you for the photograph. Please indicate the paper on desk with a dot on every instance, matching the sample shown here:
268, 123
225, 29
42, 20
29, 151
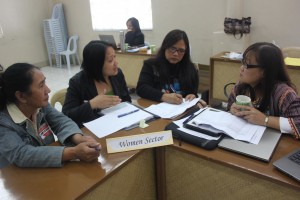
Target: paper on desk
111, 123
292, 61
233, 126
233, 55
168, 111
191, 132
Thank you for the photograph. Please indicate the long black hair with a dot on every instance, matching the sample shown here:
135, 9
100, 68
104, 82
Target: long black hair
135, 24
186, 69
93, 59
269, 58
17, 77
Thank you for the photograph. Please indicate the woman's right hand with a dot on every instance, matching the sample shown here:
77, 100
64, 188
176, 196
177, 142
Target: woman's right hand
102, 101
85, 151
172, 98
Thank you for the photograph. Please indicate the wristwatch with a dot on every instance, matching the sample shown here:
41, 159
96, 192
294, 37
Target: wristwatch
266, 120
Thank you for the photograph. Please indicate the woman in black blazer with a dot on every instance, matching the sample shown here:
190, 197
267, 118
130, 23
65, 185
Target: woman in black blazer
100, 84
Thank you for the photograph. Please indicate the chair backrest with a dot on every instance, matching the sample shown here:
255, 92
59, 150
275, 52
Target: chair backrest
72, 44
228, 88
58, 96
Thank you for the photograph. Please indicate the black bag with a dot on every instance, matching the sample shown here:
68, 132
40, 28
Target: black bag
237, 26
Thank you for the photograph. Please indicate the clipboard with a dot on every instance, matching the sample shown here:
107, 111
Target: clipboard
206, 129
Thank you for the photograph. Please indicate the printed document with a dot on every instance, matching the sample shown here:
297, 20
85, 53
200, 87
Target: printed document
169, 111
231, 125
116, 118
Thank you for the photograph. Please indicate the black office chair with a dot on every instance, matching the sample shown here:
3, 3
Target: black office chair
227, 89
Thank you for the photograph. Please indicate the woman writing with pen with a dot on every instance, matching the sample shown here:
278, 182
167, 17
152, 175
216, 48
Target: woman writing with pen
171, 75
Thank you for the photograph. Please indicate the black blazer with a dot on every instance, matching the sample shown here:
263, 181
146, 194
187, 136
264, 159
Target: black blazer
82, 89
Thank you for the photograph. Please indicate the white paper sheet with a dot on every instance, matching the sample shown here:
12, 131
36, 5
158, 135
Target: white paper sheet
111, 123
191, 132
169, 111
233, 126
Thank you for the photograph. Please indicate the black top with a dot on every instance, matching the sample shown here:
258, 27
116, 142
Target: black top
135, 38
82, 89
150, 86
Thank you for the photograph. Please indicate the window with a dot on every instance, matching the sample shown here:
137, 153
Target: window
113, 14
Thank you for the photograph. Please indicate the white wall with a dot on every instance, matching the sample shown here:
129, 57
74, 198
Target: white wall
276, 20
23, 39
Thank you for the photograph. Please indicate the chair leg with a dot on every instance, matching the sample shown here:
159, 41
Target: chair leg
50, 59
60, 60
77, 57
68, 62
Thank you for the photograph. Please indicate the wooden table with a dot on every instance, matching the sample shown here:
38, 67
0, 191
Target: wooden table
126, 175
170, 172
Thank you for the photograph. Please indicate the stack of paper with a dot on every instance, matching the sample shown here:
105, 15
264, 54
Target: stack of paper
116, 118
231, 125
169, 111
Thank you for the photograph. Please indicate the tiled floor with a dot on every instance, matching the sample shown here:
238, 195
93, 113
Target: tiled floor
58, 78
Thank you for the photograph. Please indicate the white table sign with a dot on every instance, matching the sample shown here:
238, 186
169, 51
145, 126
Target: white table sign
142, 141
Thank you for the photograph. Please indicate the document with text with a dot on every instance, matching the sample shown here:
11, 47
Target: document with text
235, 127
116, 118
169, 111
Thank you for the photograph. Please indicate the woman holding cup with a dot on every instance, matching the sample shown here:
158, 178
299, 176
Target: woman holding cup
274, 99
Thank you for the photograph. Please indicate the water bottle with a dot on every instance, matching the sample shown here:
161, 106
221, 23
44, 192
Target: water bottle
122, 40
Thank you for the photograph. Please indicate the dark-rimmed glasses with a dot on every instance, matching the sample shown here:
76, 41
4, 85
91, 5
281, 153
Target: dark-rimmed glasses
248, 66
180, 51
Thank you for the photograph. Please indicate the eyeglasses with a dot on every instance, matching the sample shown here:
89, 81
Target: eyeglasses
248, 66
179, 50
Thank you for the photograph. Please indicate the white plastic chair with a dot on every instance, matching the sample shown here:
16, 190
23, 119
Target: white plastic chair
71, 50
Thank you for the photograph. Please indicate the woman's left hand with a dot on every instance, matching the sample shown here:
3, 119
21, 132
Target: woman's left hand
249, 113
202, 104
78, 138
190, 97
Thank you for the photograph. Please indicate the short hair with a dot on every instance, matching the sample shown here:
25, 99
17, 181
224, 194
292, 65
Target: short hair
17, 77
93, 59
135, 24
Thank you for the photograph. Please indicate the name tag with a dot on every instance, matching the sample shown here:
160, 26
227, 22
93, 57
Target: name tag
45, 131
141, 141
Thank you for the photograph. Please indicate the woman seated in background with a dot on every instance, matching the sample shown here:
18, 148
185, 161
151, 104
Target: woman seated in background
264, 78
171, 75
134, 36
100, 84
28, 122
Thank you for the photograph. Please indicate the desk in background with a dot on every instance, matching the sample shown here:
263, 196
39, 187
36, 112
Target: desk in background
225, 70
131, 65
170, 172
